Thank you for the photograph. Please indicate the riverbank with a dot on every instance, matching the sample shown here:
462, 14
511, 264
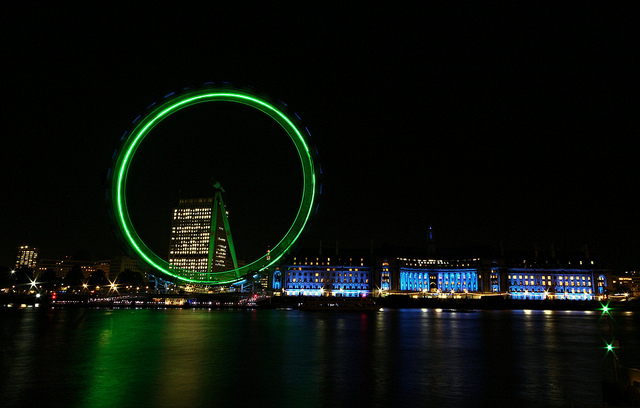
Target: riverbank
237, 300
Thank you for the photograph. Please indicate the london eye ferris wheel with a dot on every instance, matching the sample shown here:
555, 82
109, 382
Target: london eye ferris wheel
174, 102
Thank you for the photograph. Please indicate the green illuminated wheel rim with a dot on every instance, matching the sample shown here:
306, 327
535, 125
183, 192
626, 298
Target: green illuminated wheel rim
156, 114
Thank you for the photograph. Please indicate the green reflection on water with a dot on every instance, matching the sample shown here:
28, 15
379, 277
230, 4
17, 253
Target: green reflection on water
120, 345
200, 358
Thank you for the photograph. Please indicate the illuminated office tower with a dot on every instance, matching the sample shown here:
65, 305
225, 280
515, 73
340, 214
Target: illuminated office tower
190, 230
201, 242
27, 257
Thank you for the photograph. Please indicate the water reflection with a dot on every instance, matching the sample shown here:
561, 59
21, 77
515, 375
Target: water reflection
165, 358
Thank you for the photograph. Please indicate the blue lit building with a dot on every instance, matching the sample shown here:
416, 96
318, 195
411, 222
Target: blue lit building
326, 276
276, 283
442, 280
580, 281
570, 284
385, 276
441, 276
357, 275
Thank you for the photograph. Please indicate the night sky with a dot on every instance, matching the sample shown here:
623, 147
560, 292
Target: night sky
507, 123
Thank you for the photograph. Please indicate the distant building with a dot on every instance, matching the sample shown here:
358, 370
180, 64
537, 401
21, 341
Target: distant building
552, 283
310, 273
328, 276
104, 266
62, 266
352, 274
627, 283
433, 275
121, 263
59, 266
201, 237
581, 280
26, 257
190, 234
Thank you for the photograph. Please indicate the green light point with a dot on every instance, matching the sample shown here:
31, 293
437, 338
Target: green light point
142, 129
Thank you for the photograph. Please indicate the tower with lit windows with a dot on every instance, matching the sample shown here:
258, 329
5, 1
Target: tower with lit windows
26, 257
201, 237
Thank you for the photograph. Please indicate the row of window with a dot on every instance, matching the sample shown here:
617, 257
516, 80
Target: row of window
545, 283
191, 242
191, 218
190, 226
337, 293
191, 251
339, 274
539, 290
314, 270
444, 281
192, 266
560, 277
321, 280
333, 287
199, 232
328, 263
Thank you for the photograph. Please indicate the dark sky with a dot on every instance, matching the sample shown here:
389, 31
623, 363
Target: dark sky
513, 123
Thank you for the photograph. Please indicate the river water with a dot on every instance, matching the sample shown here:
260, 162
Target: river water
290, 358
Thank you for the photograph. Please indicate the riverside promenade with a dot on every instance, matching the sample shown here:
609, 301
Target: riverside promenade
242, 300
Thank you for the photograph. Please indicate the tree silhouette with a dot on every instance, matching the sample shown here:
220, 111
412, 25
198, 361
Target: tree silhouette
48, 279
6, 277
98, 278
74, 276
24, 275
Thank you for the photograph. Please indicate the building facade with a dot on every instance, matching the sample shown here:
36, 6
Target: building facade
567, 281
351, 276
324, 276
60, 267
26, 257
190, 234
120, 264
200, 238
431, 275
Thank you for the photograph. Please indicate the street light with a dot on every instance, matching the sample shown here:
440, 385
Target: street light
33, 285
